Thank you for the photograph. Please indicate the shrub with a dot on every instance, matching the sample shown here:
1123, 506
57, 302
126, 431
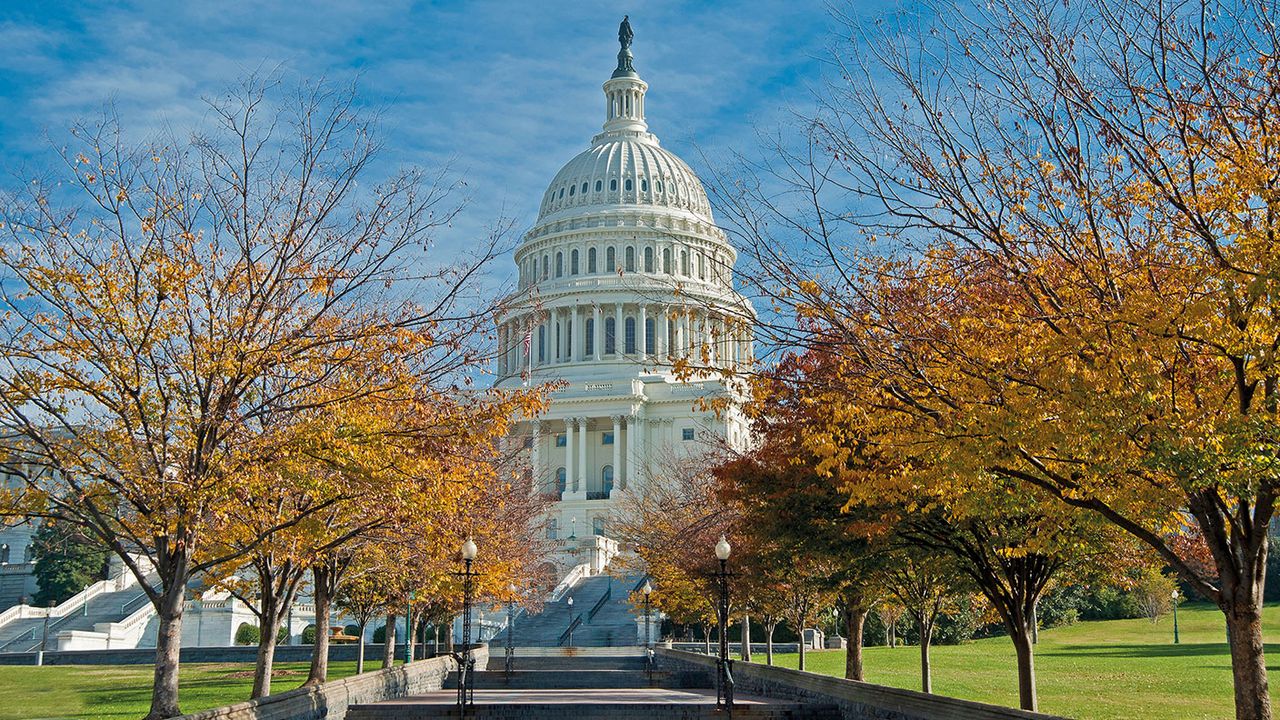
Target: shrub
380, 635
309, 635
248, 634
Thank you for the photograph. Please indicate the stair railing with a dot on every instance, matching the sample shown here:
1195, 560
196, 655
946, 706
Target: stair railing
591, 614
30, 634
568, 633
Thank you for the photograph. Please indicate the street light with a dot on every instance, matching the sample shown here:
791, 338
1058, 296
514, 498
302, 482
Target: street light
570, 630
466, 663
511, 648
1174, 596
724, 679
648, 647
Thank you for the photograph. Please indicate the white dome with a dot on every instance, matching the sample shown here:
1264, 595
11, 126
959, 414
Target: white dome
621, 170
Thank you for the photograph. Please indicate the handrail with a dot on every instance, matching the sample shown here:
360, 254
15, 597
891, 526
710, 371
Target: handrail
608, 593
577, 621
30, 634
577, 573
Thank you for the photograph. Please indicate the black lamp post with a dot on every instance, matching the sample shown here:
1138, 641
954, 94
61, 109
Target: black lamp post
570, 630
648, 646
724, 678
1174, 598
511, 647
466, 663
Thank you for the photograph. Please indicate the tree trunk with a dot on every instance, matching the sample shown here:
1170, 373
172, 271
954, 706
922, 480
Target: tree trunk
1022, 642
706, 637
164, 684
893, 634
1035, 623
769, 627
746, 638
389, 642
926, 637
1248, 664
854, 619
802, 648
360, 650
322, 582
268, 625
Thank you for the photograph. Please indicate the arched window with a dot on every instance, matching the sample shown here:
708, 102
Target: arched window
597, 526
571, 189
684, 263
561, 193
610, 336
584, 188
648, 336
702, 266
666, 260
613, 184
560, 480
630, 336
628, 186
553, 529
606, 479
631, 259
573, 262
559, 264
648, 259
542, 343
589, 337
599, 185
657, 185
29, 555
4, 554
611, 260
546, 267
644, 185
591, 261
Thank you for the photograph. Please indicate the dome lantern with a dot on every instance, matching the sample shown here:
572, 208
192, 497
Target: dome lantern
624, 92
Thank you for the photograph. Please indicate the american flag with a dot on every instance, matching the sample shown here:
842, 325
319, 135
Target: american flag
528, 341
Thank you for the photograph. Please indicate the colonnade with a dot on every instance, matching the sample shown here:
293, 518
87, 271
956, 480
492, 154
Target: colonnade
645, 331
632, 435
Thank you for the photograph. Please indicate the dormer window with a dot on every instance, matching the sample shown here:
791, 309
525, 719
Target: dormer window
562, 193
613, 185
599, 185
628, 184
644, 186
571, 189
584, 188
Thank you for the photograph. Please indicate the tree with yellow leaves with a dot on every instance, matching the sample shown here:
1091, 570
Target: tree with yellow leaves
165, 332
1088, 190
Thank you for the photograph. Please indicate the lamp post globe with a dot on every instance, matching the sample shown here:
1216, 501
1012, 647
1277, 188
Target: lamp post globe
469, 550
723, 549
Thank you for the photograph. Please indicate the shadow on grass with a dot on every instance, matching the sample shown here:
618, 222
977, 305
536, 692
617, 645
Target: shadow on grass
1121, 650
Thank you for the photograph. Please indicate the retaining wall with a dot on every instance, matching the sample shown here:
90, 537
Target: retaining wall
330, 700
233, 653
856, 700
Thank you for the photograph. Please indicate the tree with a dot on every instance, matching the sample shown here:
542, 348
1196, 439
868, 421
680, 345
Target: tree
1085, 190
1154, 592
66, 561
925, 583
156, 337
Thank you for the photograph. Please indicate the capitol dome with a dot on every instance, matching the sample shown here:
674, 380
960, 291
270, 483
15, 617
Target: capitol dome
625, 170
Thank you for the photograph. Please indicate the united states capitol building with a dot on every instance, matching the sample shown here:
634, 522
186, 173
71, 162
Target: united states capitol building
624, 279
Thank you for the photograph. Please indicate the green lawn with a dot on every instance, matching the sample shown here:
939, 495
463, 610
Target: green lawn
123, 692
1113, 669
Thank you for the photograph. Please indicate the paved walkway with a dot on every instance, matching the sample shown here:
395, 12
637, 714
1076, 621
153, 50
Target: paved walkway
582, 696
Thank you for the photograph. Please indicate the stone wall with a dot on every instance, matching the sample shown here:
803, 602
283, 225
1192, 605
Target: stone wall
330, 700
856, 700
233, 653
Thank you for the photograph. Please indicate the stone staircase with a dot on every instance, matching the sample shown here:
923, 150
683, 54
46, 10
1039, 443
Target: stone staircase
612, 624
586, 687
26, 634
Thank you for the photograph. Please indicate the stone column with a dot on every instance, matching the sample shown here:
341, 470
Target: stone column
598, 331
663, 331
681, 339
633, 446
568, 456
619, 332
582, 455
643, 331
574, 335
617, 452
535, 455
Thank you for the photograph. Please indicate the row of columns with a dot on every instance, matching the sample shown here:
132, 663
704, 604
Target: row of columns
631, 429
669, 258
682, 334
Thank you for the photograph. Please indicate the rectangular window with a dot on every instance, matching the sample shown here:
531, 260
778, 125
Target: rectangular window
589, 337
591, 260
560, 439
629, 336
610, 336
686, 433
648, 336
606, 438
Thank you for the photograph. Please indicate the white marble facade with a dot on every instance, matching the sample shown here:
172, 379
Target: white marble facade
623, 275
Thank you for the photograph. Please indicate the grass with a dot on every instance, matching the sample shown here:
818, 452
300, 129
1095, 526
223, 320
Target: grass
123, 692
1107, 670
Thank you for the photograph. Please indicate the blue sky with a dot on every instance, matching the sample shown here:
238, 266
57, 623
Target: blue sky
505, 92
